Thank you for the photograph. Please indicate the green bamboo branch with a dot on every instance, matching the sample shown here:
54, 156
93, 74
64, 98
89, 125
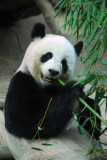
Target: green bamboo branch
92, 110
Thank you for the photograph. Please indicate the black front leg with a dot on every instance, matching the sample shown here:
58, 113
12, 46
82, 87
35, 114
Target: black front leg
61, 110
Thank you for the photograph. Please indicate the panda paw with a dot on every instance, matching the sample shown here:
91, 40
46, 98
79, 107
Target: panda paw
74, 90
72, 85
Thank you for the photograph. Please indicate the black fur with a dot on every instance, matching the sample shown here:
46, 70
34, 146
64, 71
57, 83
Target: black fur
26, 103
46, 57
78, 47
64, 65
38, 30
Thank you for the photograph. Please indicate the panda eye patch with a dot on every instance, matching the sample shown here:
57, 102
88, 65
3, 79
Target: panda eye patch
64, 65
46, 57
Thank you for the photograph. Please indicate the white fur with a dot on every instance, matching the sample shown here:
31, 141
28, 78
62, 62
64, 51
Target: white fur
61, 49
70, 145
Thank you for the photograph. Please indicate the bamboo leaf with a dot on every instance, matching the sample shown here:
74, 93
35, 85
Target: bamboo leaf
58, 4
86, 80
93, 88
93, 60
90, 2
62, 6
80, 25
85, 122
94, 48
80, 131
105, 37
47, 144
38, 149
98, 26
102, 62
66, 14
85, 28
95, 125
101, 13
105, 129
74, 22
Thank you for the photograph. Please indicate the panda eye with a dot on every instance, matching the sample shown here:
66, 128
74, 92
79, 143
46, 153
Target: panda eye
46, 57
64, 65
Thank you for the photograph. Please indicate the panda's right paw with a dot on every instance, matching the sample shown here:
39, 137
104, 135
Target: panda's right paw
73, 91
71, 85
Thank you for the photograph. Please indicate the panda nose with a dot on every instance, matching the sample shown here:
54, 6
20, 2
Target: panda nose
53, 72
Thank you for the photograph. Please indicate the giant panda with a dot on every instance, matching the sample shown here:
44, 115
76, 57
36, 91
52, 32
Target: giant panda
40, 112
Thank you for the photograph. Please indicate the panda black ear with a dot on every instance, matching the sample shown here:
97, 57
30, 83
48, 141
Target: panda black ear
78, 47
38, 30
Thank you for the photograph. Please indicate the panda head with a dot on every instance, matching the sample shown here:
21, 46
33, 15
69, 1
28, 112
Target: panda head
49, 57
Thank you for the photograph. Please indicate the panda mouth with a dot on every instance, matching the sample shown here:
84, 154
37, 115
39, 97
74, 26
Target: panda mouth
47, 78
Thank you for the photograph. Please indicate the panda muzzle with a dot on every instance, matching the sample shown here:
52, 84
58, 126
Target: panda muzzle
47, 78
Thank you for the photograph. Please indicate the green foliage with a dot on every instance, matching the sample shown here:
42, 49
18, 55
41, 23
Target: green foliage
88, 19
89, 15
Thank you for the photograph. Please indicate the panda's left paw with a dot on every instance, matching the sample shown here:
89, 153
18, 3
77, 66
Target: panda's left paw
72, 90
72, 85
